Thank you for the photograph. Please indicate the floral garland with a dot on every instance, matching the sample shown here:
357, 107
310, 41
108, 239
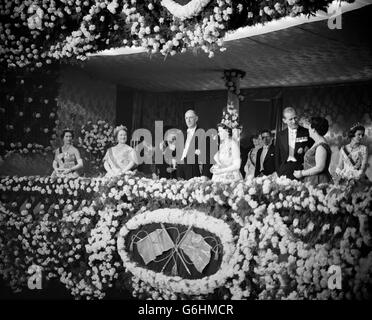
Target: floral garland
27, 149
175, 284
283, 269
38, 33
193, 8
231, 78
283, 235
230, 117
102, 268
95, 139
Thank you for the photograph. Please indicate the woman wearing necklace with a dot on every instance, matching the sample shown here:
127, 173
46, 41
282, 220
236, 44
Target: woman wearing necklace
121, 158
227, 159
318, 157
67, 158
352, 163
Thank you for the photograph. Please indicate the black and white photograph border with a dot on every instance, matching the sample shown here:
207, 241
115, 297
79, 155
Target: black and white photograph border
206, 150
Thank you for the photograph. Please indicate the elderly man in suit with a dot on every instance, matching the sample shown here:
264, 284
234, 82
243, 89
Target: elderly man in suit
291, 145
188, 167
265, 158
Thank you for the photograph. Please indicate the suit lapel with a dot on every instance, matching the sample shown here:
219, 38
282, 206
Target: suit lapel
285, 143
270, 150
192, 141
300, 134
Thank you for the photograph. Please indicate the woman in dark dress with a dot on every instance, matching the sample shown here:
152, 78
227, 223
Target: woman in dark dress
318, 157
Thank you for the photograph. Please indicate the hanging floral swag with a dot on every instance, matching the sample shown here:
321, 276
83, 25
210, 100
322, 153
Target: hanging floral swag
39, 32
187, 11
94, 139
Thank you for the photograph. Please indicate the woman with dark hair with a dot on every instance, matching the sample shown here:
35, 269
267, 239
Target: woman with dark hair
318, 157
250, 165
227, 159
67, 158
120, 158
352, 163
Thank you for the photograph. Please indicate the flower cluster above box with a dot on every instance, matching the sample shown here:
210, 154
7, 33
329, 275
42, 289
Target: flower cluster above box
40, 32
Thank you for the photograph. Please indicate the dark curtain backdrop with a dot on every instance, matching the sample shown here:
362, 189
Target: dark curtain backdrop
342, 104
259, 109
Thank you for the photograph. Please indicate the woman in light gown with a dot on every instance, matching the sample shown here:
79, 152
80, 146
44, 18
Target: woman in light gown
352, 164
67, 159
120, 158
227, 166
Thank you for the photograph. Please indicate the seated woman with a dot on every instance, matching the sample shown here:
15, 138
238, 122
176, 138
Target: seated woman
352, 164
67, 158
121, 158
318, 157
227, 166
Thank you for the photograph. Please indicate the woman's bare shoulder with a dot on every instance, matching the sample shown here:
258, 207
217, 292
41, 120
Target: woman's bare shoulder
74, 149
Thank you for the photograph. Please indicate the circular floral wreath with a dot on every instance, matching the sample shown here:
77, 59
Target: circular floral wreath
188, 218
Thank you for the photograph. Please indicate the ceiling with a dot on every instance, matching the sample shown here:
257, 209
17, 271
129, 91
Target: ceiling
305, 54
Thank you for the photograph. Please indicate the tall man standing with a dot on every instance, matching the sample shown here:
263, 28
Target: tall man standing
189, 164
291, 145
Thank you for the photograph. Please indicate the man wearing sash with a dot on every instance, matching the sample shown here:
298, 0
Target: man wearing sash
291, 145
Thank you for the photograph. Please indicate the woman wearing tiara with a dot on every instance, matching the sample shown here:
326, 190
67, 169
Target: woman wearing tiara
227, 159
120, 158
352, 163
67, 158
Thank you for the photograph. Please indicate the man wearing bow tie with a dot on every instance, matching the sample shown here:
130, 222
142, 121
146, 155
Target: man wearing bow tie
291, 145
189, 164
265, 158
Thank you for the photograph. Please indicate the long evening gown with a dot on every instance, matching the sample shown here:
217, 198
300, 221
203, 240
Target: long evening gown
309, 162
224, 159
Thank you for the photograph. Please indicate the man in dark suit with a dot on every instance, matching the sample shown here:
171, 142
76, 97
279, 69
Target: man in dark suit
291, 145
188, 166
207, 164
265, 158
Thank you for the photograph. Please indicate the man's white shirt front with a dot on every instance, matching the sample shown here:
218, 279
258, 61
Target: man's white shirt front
263, 155
190, 133
292, 134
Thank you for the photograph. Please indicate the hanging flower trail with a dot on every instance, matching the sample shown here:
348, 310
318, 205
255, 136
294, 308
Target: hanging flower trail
36, 33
